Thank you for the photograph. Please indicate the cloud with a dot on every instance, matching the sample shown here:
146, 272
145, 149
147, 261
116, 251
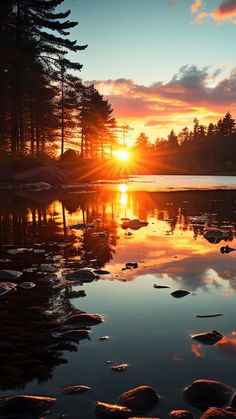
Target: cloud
196, 6
225, 10
200, 17
191, 92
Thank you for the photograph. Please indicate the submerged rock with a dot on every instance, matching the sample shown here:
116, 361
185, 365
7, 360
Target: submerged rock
226, 249
131, 265
180, 293
181, 414
26, 405
82, 319
208, 338
83, 275
215, 236
216, 413
48, 267
73, 334
6, 287
104, 338
206, 393
112, 411
120, 367
101, 272
160, 286
9, 274
202, 316
140, 399
74, 389
134, 224
27, 285
81, 226
19, 250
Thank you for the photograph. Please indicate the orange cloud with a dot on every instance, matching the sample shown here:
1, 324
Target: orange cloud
191, 92
196, 6
199, 18
225, 10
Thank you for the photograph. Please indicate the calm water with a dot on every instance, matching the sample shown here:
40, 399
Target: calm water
148, 328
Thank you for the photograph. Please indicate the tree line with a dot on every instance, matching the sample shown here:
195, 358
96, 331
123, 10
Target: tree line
202, 149
43, 105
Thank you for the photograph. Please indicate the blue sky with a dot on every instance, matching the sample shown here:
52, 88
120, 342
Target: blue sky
144, 43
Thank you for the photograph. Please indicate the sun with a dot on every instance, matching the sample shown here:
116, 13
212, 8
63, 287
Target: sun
122, 155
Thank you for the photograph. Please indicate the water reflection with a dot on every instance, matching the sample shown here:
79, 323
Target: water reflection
171, 250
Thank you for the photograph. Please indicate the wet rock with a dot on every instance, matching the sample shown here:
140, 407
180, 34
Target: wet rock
134, 224
6, 287
160, 286
85, 319
206, 393
26, 405
104, 337
120, 367
9, 274
74, 335
101, 272
132, 265
83, 275
81, 226
74, 389
27, 285
76, 294
233, 402
180, 293
214, 413
181, 414
202, 316
140, 399
48, 267
208, 338
112, 411
226, 249
215, 236
19, 250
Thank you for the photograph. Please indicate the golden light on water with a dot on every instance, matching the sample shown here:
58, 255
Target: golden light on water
122, 155
123, 187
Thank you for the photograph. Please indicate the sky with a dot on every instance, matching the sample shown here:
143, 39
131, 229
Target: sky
160, 63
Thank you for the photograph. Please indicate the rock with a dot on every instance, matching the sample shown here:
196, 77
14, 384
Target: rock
83, 275
208, 338
27, 285
133, 265
69, 155
226, 249
82, 319
48, 267
140, 399
111, 411
74, 335
206, 393
81, 226
134, 224
36, 186
48, 174
74, 389
6, 287
9, 274
104, 337
202, 316
180, 293
160, 286
181, 414
120, 367
215, 236
19, 250
26, 405
233, 402
214, 413
101, 272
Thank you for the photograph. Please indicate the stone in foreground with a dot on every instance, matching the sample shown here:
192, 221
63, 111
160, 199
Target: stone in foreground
139, 399
26, 405
208, 338
214, 413
112, 411
207, 393
74, 389
181, 414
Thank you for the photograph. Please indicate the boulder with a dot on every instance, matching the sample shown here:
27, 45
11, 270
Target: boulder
112, 411
140, 399
180, 293
23, 405
215, 413
207, 393
208, 338
82, 319
181, 414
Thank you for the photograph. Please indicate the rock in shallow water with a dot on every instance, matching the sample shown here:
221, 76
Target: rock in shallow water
180, 293
112, 411
82, 319
74, 389
181, 414
207, 393
120, 367
208, 338
214, 413
26, 405
8, 274
140, 399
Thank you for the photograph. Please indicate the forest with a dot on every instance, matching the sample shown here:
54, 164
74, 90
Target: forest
46, 109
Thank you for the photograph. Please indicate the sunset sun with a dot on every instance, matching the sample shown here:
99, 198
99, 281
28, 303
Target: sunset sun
122, 155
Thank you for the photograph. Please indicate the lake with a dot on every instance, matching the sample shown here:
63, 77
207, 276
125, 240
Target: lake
147, 327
